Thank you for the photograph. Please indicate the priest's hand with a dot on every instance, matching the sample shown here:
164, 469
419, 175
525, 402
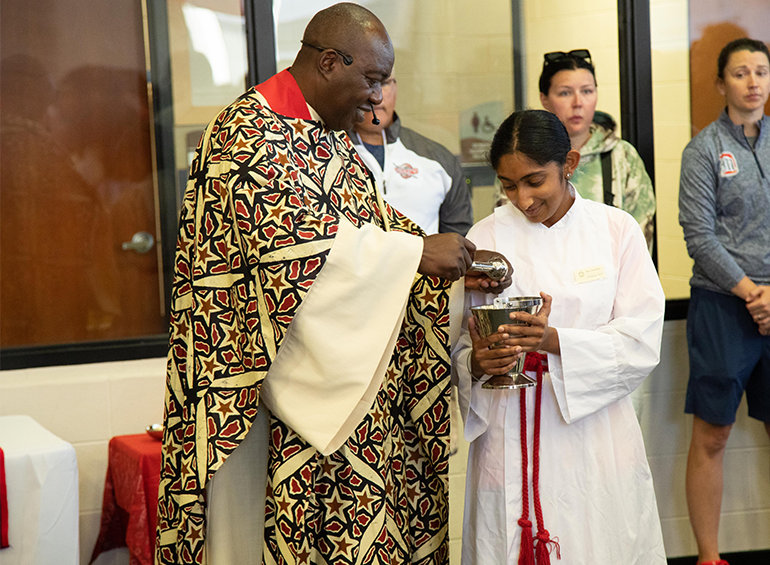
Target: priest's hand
475, 280
490, 356
536, 335
446, 255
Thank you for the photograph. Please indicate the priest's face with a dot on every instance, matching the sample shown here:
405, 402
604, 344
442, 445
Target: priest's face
353, 89
539, 191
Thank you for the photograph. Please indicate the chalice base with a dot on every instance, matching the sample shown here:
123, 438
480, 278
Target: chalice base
517, 380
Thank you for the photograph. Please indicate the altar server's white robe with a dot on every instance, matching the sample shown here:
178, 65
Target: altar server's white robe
595, 484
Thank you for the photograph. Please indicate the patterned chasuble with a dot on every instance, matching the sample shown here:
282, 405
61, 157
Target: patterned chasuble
263, 182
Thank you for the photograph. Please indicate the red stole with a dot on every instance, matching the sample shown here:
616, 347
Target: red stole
284, 96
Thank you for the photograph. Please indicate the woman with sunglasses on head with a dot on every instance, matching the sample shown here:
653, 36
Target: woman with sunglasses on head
610, 169
559, 468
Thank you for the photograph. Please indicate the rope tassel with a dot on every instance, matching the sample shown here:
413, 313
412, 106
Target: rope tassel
526, 553
542, 552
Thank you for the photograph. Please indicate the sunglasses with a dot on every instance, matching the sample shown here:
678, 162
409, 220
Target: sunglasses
556, 56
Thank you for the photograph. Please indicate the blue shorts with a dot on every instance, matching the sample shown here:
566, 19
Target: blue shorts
727, 356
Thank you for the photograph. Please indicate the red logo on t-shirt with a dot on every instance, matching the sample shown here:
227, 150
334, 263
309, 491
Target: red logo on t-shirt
728, 166
406, 170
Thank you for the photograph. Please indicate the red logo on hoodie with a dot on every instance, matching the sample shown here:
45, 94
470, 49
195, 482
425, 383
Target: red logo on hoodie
728, 166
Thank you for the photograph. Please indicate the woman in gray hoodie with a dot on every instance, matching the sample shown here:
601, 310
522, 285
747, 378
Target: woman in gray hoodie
724, 210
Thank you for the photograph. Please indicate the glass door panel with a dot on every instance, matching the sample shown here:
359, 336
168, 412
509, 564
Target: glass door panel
713, 24
453, 60
207, 42
563, 25
76, 175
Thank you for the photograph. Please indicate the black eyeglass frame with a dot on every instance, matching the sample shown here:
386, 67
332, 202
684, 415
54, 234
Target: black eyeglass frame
347, 59
556, 56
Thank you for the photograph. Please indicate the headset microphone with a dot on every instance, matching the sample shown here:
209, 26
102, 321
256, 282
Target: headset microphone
375, 119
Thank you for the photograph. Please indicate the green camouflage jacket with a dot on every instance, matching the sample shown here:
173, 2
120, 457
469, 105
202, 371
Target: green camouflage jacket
631, 186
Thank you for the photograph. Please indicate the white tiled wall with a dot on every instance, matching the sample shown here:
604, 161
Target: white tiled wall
745, 522
86, 405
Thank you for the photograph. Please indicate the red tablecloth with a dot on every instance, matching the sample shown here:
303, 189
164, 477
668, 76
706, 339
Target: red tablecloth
129, 508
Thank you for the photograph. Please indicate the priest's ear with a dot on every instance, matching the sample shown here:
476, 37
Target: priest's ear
329, 61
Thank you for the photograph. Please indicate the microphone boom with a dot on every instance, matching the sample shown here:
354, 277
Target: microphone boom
375, 119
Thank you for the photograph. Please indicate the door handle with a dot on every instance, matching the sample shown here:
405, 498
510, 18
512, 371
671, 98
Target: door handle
141, 242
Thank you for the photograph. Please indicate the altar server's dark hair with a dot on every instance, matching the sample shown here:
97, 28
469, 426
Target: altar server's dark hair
537, 134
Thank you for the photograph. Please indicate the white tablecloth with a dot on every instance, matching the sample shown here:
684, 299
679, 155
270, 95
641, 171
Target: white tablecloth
42, 478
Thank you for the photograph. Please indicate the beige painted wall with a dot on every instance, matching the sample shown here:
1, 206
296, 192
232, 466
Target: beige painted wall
671, 119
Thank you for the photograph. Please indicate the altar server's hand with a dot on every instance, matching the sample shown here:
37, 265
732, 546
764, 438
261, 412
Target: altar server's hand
446, 255
489, 355
537, 335
480, 281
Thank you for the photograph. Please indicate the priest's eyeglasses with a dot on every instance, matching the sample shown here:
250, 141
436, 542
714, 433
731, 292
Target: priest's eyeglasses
556, 56
347, 59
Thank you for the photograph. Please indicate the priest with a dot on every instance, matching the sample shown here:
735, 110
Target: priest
306, 411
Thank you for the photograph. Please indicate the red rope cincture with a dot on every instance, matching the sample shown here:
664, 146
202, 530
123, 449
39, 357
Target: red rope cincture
530, 549
526, 551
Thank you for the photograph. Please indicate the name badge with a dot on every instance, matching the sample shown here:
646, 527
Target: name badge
589, 274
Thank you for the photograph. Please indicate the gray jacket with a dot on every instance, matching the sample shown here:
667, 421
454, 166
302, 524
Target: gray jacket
724, 205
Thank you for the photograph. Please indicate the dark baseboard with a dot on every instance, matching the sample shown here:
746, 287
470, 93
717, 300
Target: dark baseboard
677, 309
79, 353
761, 557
